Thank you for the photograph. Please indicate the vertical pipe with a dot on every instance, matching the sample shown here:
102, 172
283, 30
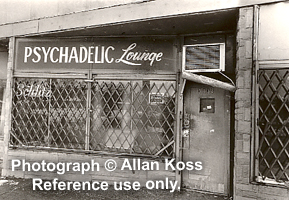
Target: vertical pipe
255, 95
8, 104
88, 111
132, 131
179, 117
49, 115
179, 110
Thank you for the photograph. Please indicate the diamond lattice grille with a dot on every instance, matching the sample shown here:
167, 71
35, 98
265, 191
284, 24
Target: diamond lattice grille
273, 125
49, 113
30, 112
124, 116
125, 119
68, 113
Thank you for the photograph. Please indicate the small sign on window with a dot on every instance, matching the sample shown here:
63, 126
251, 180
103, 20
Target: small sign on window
156, 98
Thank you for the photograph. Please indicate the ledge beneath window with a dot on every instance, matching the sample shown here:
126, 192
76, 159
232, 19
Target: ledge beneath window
271, 182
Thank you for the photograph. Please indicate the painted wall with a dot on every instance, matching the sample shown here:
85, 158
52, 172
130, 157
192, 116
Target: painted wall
36, 17
3, 76
3, 65
24, 10
273, 43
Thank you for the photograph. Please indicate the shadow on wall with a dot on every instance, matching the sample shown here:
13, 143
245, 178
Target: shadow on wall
2, 106
3, 76
2, 94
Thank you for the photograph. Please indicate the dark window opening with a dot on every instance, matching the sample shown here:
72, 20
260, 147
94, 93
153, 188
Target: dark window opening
273, 125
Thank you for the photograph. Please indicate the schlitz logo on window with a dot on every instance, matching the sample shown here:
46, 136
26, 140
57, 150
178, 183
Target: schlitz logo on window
39, 90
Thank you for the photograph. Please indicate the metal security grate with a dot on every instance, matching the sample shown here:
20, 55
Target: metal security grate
49, 113
273, 124
68, 113
30, 112
124, 116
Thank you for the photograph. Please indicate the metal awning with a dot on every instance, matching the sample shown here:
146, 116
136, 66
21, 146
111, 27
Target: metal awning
208, 81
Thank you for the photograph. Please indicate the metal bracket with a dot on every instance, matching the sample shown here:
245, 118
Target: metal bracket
89, 81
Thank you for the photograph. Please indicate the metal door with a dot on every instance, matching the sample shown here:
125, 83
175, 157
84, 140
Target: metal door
206, 138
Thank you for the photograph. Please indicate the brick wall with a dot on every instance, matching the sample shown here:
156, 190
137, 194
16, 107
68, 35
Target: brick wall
243, 189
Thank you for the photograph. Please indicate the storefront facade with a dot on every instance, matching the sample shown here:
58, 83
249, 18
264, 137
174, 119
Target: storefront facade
107, 110
120, 98
202, 95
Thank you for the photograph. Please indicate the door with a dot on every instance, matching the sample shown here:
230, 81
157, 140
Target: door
207, 124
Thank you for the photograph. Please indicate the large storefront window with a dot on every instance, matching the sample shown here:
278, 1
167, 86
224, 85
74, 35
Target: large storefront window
129, 116
273, 125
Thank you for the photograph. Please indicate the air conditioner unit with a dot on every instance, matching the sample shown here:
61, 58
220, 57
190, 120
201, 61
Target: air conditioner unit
204, 57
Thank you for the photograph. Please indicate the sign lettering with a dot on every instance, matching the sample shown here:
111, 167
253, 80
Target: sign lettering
103, 54
32, 91
91, 54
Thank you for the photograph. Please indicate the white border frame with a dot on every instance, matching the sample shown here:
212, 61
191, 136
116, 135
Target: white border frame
222, 58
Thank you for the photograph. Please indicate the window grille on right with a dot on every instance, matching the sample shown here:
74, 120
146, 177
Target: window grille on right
272, 156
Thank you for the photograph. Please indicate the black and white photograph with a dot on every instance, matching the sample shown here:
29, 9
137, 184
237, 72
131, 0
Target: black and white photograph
144, 99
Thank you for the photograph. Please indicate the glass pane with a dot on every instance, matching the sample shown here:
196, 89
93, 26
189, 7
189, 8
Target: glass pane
30, 111
49, 113
273, 152
126, 119
125, 116
68, 113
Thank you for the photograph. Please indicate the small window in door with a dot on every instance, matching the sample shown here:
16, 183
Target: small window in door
207, 105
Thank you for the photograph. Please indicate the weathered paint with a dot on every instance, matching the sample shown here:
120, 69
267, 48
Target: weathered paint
3, 65
34, 9
208, 81
106, 15
273, 43
207, 110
